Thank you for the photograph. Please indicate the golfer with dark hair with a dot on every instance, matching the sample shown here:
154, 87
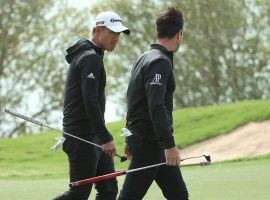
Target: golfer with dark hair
149, 115
84, 107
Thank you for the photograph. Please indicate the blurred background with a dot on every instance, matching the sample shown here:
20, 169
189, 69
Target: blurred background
221, 102
225, 55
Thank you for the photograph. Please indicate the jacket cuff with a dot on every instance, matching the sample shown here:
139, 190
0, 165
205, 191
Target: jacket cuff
105, 137
166, 143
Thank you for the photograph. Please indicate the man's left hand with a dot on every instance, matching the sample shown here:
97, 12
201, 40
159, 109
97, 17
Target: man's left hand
109, 148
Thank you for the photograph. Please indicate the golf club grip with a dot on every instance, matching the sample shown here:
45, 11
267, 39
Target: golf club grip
97, 179
23, 117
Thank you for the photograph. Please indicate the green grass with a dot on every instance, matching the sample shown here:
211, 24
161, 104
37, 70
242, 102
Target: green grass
29, 156
29, 170
245, 180
197, 124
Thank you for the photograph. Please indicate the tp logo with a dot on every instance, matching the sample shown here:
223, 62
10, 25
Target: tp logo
156, 80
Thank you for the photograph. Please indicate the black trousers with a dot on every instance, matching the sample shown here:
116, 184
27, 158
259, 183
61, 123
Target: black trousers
169, 179
87, 161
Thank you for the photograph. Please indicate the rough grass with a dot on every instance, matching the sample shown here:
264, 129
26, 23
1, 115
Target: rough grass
197, 124
29, 156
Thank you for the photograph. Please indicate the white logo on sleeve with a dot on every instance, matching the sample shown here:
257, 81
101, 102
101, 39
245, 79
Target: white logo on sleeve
156, 80
91, 75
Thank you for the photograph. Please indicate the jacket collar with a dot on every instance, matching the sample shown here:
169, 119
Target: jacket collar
164, 50
80, 46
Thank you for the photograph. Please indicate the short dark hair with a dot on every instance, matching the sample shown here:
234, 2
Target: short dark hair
94, 29
169, 23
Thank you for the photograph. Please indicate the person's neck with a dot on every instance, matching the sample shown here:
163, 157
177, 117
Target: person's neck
96, 42
166, 43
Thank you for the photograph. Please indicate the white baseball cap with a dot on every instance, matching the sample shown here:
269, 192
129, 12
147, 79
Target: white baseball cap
112, 21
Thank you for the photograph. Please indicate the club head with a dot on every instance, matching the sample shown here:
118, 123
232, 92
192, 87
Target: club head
207, 157
123, 158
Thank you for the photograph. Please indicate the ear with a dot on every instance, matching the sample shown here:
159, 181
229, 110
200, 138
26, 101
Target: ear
97, 29
181, 33
178, 35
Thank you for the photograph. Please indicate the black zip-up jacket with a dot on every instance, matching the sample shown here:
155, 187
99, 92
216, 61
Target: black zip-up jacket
150, 96
84, 100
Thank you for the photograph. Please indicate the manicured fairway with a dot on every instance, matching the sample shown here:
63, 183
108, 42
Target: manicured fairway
30, 171
246, 180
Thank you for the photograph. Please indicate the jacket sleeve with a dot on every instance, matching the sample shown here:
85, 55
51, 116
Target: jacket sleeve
156, 76
90, 68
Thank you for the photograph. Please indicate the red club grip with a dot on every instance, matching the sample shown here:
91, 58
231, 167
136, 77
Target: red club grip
97, 179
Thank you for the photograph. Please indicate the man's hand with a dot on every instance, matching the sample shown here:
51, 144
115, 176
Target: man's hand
109, 148
127, 152
172, 156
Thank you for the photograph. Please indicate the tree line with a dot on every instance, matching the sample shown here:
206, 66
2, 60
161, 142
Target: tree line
225, 55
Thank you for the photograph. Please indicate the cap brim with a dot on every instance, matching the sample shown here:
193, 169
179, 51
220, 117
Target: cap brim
118, 29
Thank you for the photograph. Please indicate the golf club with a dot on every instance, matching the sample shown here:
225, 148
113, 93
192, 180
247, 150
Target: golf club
122, 158
205, 155
124, 172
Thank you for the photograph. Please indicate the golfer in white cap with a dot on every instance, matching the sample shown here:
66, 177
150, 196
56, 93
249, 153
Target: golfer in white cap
84, 107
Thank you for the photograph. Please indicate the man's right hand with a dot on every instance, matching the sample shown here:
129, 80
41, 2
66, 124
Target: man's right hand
127, 151
109, 148
172, 156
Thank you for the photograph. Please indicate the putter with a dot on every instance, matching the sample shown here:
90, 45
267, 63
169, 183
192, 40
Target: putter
205, 155
124, 172
122, 158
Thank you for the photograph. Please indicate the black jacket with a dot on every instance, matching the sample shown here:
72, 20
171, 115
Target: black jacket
150, 96
84, 100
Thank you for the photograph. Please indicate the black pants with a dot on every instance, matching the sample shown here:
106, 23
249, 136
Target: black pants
169, 179
87, 161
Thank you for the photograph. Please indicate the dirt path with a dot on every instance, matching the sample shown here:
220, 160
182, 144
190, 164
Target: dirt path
249, 140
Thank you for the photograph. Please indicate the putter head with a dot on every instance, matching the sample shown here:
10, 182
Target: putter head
123, 158
207, 157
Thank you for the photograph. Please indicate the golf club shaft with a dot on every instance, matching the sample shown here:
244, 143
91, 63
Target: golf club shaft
97, 179
120, 173
41, 124
159, 164
192, 157
196, 164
